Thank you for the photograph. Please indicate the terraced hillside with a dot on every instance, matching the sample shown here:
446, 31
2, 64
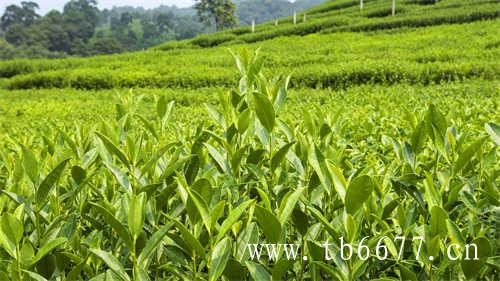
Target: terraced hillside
354, 127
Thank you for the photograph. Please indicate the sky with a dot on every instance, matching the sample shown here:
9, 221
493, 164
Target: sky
47, 5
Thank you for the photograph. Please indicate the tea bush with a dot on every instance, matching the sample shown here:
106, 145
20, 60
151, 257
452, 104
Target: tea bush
139, 197
330, 61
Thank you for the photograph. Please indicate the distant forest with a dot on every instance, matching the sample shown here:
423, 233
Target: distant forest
81, 29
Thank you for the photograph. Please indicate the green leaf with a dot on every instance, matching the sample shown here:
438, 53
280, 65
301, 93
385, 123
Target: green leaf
269, 224
216, 115
220, 257
115, 224
136, 214
219, 159
265, 111
191, 241
467, 155
409, 155
339, 182
234, 271
418, 137
280, 155
78, 174
120, 176
216, 212
30, 165
35, 276
244, 120
436, 119
432, 194
202, 208
280, 268
45, 249
358, 192
288, 204
454, 233
258, 272
494, 132
438, 221
141, 275
12, 228
326, 224
113, 263
152, 161
49, 182
248, 235
148, 125
233, 217
144, 258
470, 265
281, 94
113, 149
407, 274
161, 106
7, 245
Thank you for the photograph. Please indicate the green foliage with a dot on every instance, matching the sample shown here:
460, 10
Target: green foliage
219, 12
327, 64
180, 199
342, 16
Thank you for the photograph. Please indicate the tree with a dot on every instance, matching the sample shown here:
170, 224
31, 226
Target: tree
126, 19
24, 15
164, 21
149, 29
16, 34
52, 27
106, 45
220, 12
80, 19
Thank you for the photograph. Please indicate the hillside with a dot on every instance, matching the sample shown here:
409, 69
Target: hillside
353, 146
339, 56
346, 15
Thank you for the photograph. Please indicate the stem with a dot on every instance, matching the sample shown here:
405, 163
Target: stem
18, 258
270, 184
134, 259
194, 268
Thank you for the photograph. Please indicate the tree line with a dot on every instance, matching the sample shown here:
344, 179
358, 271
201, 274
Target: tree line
81, 29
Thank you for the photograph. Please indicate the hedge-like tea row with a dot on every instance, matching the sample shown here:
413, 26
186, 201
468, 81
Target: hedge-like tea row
93, 79
337, 76
375, 72
446, 17
334, 5
470, 52
346, 16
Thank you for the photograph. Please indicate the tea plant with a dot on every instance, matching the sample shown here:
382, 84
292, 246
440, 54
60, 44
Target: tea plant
145, 198
337, 61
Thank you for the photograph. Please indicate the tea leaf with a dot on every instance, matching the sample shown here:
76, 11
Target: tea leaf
220, 257
113, 263
232, 218
265, 111
358, 192
258, 272
49, 182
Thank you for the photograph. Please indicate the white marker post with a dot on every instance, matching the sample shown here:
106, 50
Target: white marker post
253, 26
275, 22
360, 5
305, 17
294, 17
393, 7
